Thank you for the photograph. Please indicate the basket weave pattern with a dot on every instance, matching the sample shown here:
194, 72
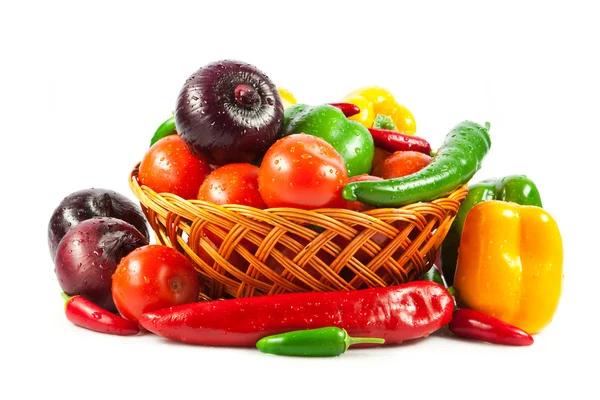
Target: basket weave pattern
241, 251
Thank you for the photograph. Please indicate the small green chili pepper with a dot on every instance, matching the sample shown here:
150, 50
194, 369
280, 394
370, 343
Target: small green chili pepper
322, 342
455, 163
165, 129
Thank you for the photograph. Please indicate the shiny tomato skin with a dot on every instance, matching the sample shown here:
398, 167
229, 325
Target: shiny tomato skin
357, 205
302, 171
153, 277
232, 184
379, 156
401, 163
169, 167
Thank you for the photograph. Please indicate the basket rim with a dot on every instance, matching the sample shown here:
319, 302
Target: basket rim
458, 193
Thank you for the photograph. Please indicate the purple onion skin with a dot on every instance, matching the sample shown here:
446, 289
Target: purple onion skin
222, 123
88, 203
88, 255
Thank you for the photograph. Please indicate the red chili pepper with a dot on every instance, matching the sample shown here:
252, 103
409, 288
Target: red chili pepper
473, 324
348, 109
82, 312
398, 141
398, 313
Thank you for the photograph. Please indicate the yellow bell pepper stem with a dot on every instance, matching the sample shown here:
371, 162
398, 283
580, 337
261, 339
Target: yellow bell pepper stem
510, 264
376, 100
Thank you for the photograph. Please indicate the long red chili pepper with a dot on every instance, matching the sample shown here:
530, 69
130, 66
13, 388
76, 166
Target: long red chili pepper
396, 314
82, 312
348, 109
473, 324
398, 141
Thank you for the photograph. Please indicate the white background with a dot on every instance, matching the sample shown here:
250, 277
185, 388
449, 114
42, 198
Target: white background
83, 87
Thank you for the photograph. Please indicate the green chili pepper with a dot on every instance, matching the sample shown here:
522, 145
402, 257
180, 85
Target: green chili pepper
322, 342
165, 129
384, 122
514, 188
349, 138
455, 163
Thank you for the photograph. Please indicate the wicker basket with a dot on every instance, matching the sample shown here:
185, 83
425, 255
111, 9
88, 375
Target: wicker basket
242, 251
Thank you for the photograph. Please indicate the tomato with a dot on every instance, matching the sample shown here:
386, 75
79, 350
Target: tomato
302, 171
153, 277
232, 184
401, 163
169, 167
378, 157
357, 205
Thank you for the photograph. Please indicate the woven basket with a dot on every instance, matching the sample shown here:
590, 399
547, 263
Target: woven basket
241, 251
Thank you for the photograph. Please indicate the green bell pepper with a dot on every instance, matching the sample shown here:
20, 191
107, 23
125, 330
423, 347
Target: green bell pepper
165, 129
350, 139
513, 188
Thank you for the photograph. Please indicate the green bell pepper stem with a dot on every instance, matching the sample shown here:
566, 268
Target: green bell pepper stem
165, 129
349, 138
514, 188
457, 160
321, 342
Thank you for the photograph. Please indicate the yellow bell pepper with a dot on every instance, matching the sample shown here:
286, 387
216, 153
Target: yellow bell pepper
287, 97
510, 264
375, 100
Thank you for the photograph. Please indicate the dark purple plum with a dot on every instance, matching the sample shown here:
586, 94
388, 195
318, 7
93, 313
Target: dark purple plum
229, 111
88, 255
88, 203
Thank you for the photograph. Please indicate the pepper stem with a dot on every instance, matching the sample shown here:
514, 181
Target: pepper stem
66, 297
351, 341
451, 290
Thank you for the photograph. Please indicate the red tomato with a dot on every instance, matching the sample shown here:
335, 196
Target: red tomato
232, 184
153, 277
357, 205
401, 163
302, 171
169, 167
378, 157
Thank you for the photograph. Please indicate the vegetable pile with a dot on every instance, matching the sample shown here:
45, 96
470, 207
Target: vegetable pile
237, 138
